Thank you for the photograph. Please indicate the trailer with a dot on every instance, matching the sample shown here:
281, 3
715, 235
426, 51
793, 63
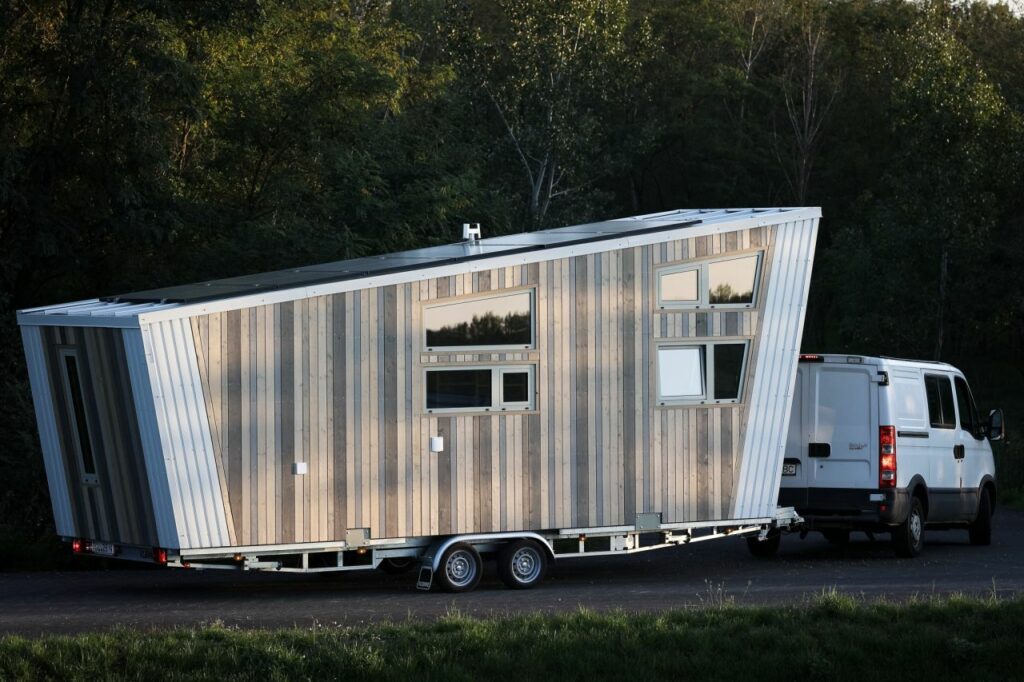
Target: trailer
606, 388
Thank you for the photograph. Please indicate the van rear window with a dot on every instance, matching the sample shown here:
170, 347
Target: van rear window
941, 412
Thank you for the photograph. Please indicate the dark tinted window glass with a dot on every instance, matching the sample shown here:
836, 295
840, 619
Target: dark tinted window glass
458, 388
940, 401
493, 321
728, 369
969, 420
515, 387
732, 281
78, 408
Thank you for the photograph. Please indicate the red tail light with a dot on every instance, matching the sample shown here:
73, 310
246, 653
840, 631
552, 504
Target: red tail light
810, 357
887, 457
77, 546
160, 555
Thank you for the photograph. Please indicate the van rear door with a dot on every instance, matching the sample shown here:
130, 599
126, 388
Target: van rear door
842, 426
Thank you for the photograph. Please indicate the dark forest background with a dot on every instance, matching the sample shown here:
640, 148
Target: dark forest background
159, 142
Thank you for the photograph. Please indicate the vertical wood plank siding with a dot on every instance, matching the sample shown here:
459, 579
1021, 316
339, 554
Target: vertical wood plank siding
117, 508
337, 382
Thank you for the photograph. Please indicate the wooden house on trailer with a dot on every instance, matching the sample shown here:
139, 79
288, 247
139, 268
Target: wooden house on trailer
535, 395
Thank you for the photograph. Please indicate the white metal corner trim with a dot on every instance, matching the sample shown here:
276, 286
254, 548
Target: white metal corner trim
42, 401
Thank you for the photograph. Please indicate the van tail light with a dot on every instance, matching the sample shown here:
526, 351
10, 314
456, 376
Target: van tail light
160, 556
811, 357
887, 457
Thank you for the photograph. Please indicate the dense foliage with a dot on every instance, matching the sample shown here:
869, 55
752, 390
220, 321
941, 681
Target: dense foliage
157, 142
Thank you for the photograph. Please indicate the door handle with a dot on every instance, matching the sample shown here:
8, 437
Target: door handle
958, 452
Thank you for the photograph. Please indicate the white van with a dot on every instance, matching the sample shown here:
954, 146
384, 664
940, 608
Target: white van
886, 445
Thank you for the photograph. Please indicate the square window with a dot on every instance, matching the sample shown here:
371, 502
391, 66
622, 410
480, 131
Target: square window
515, 386
500, 321
682, 286
728, 370
701, 372
732, 281
681, 372
458, 389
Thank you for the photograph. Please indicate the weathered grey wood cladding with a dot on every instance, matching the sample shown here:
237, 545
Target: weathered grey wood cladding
116, 507
337, 382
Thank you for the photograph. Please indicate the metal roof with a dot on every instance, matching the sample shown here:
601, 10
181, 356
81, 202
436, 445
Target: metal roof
425, 258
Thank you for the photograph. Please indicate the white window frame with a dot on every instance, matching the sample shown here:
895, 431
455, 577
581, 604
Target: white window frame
500, 293
709, 370
497, 388
704, 282
69, 401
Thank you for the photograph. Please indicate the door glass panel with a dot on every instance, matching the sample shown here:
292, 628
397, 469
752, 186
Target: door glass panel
728, 370
969, 420
732, 281
493, 321
515, 387
460, 388
940, 401
681, 372
679, 286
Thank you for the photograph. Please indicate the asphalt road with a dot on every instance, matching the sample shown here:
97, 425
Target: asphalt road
685, 577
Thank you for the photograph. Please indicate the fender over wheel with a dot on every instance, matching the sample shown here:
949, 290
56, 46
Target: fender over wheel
522, 564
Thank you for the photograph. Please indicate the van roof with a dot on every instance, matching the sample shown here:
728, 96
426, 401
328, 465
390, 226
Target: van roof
875, 360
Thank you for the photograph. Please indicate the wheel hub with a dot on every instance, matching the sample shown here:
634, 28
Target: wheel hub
915, 527
460, 568
525, 565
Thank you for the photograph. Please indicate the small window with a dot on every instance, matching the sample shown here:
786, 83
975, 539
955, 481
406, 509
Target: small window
728, 282
939, 391
686, 371
76, 401
504, 321
680, 286
483, 389
732, 281
969, 420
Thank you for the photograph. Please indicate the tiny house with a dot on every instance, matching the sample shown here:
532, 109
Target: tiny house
537, 395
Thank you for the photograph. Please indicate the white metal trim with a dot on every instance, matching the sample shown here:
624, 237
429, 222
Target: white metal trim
149, 434
49, 440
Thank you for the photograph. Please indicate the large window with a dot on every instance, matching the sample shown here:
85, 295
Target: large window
726, 282
502, 321
480, 389
939, 392
701, 373
75, 400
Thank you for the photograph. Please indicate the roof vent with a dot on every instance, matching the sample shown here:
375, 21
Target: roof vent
470, 232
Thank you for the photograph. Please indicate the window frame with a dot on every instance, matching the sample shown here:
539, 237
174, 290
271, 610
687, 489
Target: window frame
87, 478
709, 371
944, 425
481, 296
976, 429
703, 269
497, 389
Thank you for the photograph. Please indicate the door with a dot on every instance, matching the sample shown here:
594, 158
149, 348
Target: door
945, 452
976, 452
842, 438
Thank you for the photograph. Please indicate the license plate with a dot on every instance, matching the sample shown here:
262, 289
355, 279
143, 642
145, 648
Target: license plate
103, 548
789, 469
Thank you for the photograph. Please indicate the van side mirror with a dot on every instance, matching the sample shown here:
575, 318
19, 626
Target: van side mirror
995, 429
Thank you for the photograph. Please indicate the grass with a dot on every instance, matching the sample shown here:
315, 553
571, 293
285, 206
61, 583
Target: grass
836, 638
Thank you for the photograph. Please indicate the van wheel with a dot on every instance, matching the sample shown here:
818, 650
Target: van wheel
908, 537
522, 564
767, 548
837, 537
397, 565
980, 530
460, 568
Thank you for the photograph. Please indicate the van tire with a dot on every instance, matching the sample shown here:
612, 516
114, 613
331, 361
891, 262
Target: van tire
767, 548
980, 530
837, 536
908, 537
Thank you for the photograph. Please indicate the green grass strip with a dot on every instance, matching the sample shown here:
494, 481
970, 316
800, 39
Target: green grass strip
837, 638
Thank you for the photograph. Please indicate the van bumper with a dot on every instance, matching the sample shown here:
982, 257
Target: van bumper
824, 508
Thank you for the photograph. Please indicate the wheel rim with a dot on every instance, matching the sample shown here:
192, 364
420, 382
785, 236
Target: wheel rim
916, 527
526, 564
460, 568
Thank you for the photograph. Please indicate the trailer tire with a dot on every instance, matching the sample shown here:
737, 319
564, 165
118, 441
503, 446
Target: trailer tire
522, 564
908, 537
980, 530
460, 568
397, 565
767, 548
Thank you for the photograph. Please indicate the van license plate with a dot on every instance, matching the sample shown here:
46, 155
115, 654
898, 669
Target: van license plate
789, 469
104, 548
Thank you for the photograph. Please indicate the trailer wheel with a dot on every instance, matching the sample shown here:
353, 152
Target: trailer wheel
397, 565
522, 564
980, 530
908, 537
460, 568
767, 548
